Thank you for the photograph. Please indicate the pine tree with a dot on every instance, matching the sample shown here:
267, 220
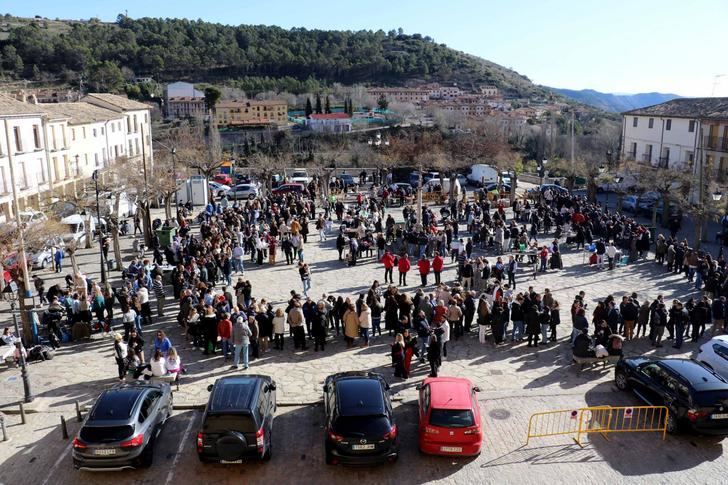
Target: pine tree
309, 108
318, 104
327, 105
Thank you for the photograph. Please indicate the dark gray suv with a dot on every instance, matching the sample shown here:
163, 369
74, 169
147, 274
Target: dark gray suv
121, 428
238, 420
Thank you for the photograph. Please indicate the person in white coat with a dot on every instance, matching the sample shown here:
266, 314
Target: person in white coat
279, 328
365, 323
445, 337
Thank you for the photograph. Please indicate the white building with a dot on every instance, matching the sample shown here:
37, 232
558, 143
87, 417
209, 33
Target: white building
182, 100
678, 133
330, 122
57, 146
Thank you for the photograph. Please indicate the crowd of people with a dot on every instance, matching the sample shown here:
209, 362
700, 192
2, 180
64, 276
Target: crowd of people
221, 314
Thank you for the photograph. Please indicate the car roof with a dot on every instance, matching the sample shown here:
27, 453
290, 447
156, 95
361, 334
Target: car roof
449, 392
695, 373
360, 396
234, 393
723, 339
116, 404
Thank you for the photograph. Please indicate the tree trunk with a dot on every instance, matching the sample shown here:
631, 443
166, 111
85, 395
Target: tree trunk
699, 230
89, 232
665, 209
514, 186
168, 206
591, 188
24, 313
117, 248
620, 197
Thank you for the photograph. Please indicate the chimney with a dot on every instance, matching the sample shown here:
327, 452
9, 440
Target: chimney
33, 99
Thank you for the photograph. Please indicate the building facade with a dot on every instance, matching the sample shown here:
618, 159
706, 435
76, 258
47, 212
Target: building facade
247, 112
330, 123
678, 133
55, 147
401, 95
182, 100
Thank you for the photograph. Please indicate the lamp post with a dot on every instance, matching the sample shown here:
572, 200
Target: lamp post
95, 178
27, 392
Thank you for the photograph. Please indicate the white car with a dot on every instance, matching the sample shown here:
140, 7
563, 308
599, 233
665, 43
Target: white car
300, 177
32, 216
44, 258
714, 355
217, 188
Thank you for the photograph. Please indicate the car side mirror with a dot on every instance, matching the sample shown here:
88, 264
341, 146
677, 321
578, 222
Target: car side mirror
209, 388
271, 387
476, 389
418, 387
326, 388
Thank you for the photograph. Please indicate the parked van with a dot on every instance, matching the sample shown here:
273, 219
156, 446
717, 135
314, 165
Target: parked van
481, 174
76, 229
435, 185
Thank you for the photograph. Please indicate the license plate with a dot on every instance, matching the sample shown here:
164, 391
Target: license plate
233, 462
719, 416
362, 447
105, 452
451, 449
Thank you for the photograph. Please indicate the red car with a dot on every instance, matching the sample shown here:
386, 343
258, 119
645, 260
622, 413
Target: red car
449, 417
223, 178
289, 188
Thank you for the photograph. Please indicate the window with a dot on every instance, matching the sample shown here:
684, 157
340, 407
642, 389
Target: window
36, 136
102, 131
690, 156
634, 122
73, 134
137, 146
96, 159
651, 123
41, 175
85, 158
84, 132
131, 152
113, 128
128, 125
3, 182
721, 351
691, 126
668, 125
94, 132
23, 176
452, 418
18, 139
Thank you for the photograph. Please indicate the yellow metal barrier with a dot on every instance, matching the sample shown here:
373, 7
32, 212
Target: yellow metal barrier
600, 419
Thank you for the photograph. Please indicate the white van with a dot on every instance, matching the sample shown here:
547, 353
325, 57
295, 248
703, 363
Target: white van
76, 228
433, 185
481, 174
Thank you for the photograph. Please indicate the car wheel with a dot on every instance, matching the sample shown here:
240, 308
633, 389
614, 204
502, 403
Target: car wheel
673, 425
329, 457
251, 196
621, 381
147, 457
43, 264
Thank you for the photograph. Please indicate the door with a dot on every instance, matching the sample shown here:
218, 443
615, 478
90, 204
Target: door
720, 364
646, 378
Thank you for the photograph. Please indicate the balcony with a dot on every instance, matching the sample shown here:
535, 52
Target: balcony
663, 162
716, 143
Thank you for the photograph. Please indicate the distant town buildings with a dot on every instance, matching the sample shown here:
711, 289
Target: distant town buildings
55, 147
182, 100
330, 122
678, 133
247, 112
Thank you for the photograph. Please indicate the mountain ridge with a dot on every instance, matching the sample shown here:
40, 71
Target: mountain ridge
615, 103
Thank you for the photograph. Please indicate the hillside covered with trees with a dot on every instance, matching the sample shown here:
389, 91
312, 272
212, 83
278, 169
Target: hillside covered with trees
262, 57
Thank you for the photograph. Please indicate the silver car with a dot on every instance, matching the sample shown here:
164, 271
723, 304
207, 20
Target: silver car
242, 191
121, 428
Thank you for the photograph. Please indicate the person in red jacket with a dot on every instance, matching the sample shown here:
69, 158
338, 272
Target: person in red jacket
424, 265
225, 332
437, 265
403, 266
388, 261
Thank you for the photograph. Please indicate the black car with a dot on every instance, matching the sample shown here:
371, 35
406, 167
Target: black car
696, 396
238, 420
122, 426
360, 427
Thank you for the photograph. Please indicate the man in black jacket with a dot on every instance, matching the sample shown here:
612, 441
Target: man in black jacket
629, 308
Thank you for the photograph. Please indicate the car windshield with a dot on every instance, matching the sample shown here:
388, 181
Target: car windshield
711, 398
452, 418
363, 425
226, 422
105, 434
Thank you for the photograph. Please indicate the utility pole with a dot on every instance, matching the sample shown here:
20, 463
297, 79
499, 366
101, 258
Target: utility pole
147, 207
95, 178
573, 170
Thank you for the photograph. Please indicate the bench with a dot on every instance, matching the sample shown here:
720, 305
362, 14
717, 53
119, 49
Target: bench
584, 361
171, 380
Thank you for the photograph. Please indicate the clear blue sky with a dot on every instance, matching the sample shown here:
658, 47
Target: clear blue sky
614, 46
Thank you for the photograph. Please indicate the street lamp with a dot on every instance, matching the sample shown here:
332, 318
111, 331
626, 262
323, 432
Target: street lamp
95, 178
12, 291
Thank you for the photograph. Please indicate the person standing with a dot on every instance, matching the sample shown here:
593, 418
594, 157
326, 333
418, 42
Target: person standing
365, 323
398, 356
146, 309
224, 331
437, 264
241, 340
279, 328
511, 269
555, 320
533, 325
58, 259
680, 322
40, 288
120, 352
517, 317
318, 327
351, 324
454, 317
403, 266
305, 275
158, 288
295, 322
433, 354
388, 262
424, 267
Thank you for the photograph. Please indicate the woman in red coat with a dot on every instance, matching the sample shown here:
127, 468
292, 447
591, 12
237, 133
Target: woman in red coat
424, 266
403, 266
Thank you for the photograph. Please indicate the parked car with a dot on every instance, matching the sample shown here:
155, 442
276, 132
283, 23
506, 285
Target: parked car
695, 396
218, 189
359, 423
122, 427
542, 188
29, 217
346, 179
242, 191
223, 179
494, 187
43, 258
300, 177
714, 355
242, 178
405, 187
414, 177
450, 422
629, 203
77, 230
435, 185
288, 189
647, 206
238, 420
